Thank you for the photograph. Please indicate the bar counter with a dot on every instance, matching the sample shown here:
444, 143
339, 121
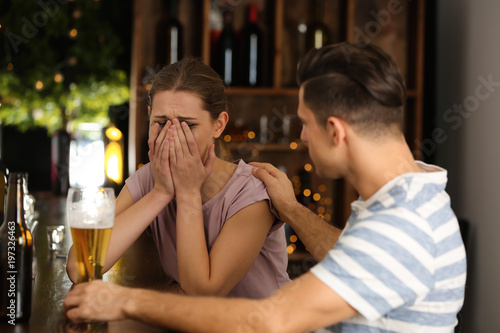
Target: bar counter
139, 267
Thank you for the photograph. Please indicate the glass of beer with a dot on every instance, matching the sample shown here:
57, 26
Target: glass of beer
91, 213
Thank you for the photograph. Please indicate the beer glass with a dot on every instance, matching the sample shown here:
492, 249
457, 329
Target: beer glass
90, 213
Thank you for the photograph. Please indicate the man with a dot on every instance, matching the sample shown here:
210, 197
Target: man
399, 264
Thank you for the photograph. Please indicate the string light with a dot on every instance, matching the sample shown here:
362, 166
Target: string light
308, 167
293, 145
293, 238
73, 33
307, 192
251, 135
322, 188
39, 85
316, 196
255, 152
321, 210
328, 217
58, 78
73, 61
227, 138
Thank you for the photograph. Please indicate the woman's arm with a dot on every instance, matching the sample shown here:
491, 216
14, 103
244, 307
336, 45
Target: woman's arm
237, 246
130, 222
131, 219
234, 252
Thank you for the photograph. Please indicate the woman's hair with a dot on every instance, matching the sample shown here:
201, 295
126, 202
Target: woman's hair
194, 76
357, 83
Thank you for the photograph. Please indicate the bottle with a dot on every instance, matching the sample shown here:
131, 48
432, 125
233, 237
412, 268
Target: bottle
252, 50
226, 51
4, 172
169, 46
59, 161
317, 32
16, 254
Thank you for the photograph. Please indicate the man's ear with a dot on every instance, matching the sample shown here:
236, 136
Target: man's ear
336, 130
220, 124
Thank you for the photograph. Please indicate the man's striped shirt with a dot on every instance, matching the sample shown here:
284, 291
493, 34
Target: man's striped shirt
400, 261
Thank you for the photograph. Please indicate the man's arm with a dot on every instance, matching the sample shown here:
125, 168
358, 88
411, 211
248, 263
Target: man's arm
304, 304
317, 235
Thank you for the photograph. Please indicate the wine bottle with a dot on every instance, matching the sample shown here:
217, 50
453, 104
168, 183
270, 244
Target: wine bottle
16, 254
317, 32
169, 34
59, 161
226, 53
252, 50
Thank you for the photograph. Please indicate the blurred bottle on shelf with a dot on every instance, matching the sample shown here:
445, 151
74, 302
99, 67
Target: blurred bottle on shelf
226, 51
252, 49
317, 32
169, 32
59, 171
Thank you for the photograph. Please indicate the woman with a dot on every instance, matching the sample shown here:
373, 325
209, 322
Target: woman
213, 224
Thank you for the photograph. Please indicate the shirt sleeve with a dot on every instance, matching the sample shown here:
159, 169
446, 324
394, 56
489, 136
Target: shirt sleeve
249, 191
141, 182
377, 267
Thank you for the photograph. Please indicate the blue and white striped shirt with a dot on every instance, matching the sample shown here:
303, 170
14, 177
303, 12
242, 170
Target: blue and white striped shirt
400, 261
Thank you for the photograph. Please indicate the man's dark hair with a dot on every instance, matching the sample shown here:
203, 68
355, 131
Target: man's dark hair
358, 84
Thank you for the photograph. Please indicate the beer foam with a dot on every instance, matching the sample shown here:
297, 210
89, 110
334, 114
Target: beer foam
91, 217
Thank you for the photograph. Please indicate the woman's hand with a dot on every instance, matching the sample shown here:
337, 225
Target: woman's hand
159, 150
188, 170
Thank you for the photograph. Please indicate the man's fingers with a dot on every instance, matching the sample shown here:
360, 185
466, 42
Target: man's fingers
269, 168
264, 175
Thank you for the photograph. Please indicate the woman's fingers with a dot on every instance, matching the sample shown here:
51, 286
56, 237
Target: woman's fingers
180, 138
165, 149
209, 163
171, 151
153, 134
191, 142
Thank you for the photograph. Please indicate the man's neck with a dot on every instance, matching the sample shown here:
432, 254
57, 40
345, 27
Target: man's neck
374, 165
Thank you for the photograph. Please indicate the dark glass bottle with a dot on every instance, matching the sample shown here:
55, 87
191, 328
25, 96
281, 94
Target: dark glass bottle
169, 32
16, 256
252, 50
317, 32
227, 52
4, 172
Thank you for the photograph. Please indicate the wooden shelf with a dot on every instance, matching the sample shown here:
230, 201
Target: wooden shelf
262, 91
268, 147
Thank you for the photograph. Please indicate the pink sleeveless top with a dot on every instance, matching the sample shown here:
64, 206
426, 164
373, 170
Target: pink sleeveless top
268, 272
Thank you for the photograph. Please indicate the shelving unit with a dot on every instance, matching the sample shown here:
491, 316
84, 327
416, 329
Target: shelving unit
397, 27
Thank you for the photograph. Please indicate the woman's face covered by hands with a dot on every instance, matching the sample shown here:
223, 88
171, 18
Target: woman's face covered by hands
187, 107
